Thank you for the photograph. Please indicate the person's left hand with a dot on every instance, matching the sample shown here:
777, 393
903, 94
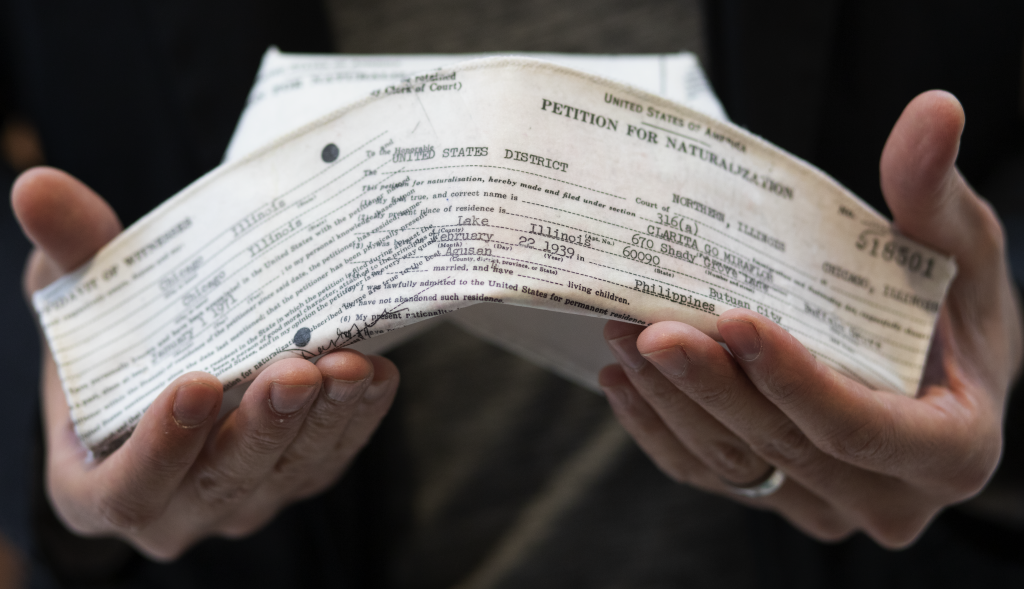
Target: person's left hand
856, 459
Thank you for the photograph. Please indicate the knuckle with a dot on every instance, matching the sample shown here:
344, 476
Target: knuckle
992, 237
734, 463
718, 395
164, 550
327, 415
237, 530
163, 465
69, 507
979, 465
304, 476
826, 525
786, 445
969, 480
895, 531
677, 477
216, 488
658, 392
643, 425
867, 441
261, 442
972, 444
125, 513
973, 478
783, 386
679, 471
246, 524
316, 486
294, 470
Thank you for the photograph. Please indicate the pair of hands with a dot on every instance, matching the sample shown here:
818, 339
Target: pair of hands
856, 459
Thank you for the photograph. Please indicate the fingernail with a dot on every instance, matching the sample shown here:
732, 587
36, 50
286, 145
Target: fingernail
742, 338
671, 361
625, 350
342, 391
193, 404
289, 398
620, 397
375, 391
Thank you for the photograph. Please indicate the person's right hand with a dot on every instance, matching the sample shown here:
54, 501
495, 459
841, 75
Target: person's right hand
183, 475
856, 459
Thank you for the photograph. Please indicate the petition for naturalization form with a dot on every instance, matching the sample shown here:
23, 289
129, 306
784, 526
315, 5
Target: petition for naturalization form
504, 181
295, 89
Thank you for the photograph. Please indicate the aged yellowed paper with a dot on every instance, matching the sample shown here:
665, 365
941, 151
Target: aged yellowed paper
502, 181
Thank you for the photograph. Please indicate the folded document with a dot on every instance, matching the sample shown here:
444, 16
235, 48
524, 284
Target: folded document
509, 181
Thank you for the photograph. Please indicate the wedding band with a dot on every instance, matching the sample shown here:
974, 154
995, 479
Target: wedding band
762, 489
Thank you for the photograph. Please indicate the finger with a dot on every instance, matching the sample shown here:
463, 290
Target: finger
803, 508
131, 488
705, 437
346, 374
67, 460
366, 415
67, 222
881, 432
933, 204
371, 409
929, 199
252, 438
651, 434
887, 509
62, 216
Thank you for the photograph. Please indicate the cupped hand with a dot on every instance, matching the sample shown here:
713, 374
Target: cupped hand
856, 459
184, 475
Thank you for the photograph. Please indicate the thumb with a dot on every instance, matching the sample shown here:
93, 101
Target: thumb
62, 216
66, 221
932, 203
929, 199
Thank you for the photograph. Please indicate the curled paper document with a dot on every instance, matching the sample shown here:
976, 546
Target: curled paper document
500, 182
295, 89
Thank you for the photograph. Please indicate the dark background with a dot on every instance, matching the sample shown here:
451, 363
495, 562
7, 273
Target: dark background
139, 98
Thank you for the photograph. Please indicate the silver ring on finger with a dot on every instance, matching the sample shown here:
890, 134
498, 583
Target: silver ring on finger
769, 485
